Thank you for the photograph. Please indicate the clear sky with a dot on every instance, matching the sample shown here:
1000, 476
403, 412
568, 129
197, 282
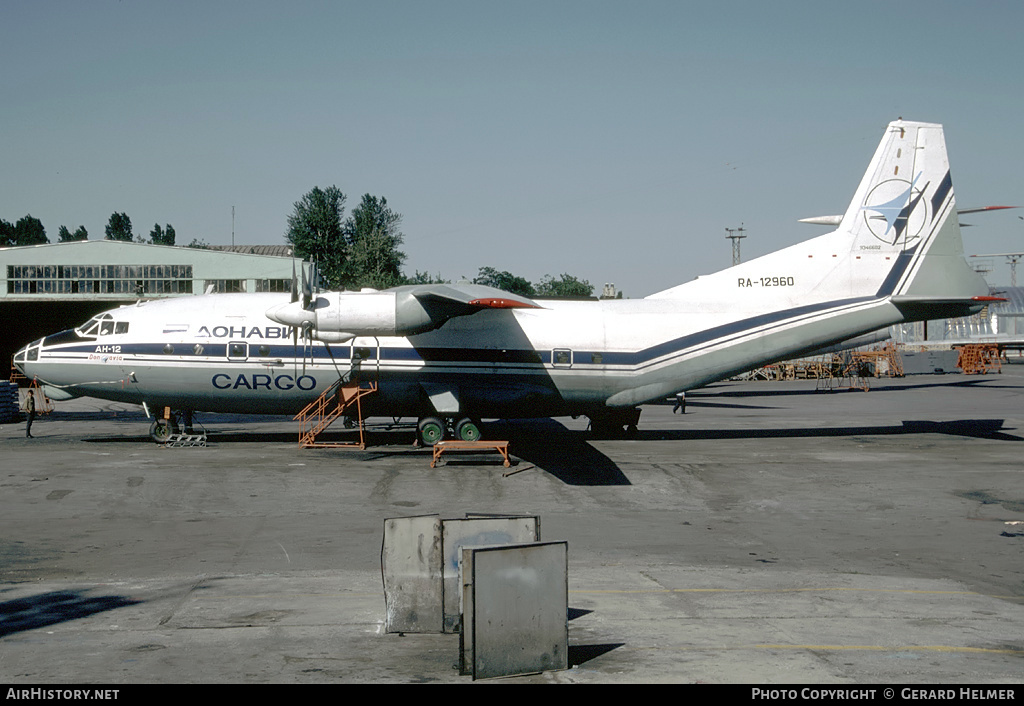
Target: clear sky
615, 141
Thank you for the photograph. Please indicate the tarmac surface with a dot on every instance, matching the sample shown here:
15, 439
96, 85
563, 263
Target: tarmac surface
771, 535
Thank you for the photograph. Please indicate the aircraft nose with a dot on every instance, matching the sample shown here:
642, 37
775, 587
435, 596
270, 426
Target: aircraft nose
27, 355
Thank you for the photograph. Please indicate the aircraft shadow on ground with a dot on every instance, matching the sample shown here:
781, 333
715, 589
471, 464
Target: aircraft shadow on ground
46, 609
568, 454
978, 428
564, 453
771, 389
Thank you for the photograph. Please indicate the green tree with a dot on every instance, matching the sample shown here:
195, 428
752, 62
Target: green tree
426, 278
504, 280
6, 233
373, 239
66, 236
161, 236
29, 231
564, 286
315, 230
119, 227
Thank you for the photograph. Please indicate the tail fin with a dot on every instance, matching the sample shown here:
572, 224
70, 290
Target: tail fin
899, 240
905, 206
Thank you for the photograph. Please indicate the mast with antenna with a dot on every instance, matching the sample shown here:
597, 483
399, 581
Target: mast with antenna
735, 235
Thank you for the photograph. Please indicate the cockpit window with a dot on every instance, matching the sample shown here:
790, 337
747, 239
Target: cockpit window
121, 327
92, 326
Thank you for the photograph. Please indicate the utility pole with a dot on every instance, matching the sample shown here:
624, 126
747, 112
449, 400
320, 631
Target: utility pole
735, 235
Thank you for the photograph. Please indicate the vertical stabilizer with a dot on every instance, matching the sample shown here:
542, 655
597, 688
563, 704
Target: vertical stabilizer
905, 206
889, 210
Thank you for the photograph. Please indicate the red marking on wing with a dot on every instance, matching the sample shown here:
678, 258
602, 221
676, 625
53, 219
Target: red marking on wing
495, 303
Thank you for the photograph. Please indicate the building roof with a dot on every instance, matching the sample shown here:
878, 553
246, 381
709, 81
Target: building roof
115, 270
273, 250
113, 251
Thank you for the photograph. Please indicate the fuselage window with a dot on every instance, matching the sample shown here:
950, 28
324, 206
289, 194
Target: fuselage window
168, 349
237, 351
561, 356
264, 351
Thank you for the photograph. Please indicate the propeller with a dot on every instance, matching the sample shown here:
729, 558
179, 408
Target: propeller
307, 291
307, 342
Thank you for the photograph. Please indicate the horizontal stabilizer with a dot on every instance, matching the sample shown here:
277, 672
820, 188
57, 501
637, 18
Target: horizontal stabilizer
983, 209
972, 301
823, 220
835, 220
920, 308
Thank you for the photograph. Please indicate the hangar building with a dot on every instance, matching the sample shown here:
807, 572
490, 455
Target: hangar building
53, 287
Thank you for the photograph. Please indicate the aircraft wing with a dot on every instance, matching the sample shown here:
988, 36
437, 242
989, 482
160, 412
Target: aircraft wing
399, 311
469, 296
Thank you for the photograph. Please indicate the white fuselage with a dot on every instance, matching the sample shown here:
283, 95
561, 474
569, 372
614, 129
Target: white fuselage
896, 256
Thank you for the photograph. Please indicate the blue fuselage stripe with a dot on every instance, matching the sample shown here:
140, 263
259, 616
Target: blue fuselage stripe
212, 352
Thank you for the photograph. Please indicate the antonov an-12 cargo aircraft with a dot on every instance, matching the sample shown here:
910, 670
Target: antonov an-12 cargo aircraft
453, 354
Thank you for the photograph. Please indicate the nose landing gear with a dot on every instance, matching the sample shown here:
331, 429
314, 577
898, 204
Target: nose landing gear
163, 429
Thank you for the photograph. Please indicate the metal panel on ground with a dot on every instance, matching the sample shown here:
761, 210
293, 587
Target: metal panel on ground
477, 530
411, 566
516, 602
929, 362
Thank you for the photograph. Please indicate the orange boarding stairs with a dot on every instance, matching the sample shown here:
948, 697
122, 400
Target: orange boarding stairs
336, 401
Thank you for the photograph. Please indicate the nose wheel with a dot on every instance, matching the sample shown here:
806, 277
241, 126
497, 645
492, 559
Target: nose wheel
163, 428
160, 430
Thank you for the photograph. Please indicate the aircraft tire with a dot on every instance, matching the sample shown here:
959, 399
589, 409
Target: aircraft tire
160, 431
468, 430
430, 430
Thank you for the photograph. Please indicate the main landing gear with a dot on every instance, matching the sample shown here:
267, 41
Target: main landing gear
430, 430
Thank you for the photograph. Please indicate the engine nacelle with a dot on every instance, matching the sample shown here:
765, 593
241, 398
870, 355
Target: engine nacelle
331, 336
366, 313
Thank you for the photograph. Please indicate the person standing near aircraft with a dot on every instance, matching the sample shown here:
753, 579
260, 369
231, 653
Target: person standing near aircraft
680, 403
30, 411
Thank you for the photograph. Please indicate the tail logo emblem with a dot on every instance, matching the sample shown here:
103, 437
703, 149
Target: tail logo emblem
895, 211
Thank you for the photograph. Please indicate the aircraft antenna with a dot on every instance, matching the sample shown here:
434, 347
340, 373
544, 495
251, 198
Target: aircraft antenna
1012, 258
232, 226
735, 235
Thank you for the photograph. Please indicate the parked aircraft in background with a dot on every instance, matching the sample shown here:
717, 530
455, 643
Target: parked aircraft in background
451, 355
